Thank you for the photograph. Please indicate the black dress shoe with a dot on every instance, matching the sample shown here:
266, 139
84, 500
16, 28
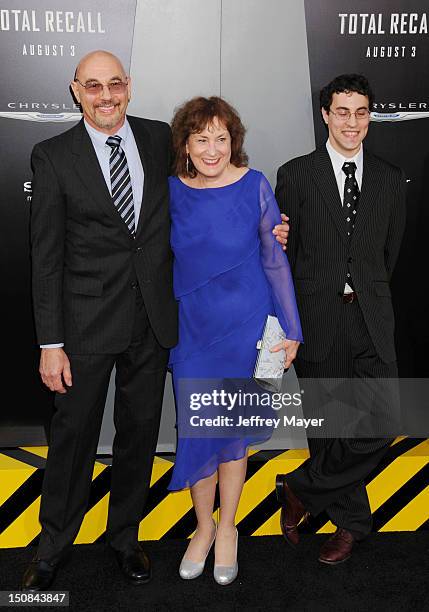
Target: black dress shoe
39, 576
135, 565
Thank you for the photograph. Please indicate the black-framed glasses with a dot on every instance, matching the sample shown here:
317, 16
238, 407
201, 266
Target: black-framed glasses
343, 114
95, 88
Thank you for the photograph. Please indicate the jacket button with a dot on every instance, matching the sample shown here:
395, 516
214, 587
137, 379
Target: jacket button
349, 260
137, 249
134, 285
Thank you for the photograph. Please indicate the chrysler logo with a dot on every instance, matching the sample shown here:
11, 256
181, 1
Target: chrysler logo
399, 116
43, 117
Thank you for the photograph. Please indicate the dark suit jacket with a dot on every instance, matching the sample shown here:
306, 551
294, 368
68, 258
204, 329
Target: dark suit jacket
84, 261
320, 252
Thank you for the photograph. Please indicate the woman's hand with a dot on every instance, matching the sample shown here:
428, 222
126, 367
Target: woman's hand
291, 349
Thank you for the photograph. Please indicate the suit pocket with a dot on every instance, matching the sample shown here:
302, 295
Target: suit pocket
382, 288
85, 286
305, 286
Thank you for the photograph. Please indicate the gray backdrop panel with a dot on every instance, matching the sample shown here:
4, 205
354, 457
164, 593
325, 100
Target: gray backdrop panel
253, 53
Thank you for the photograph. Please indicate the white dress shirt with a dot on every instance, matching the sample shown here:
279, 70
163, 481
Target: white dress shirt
337, 161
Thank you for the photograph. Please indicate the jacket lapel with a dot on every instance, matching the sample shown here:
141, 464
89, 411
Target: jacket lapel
89, 171
371, 183
144, 146
324, 177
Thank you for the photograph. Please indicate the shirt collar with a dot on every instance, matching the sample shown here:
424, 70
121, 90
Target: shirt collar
99, 138
338, 160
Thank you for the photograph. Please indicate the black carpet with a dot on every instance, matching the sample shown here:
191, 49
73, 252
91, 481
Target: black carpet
387, 573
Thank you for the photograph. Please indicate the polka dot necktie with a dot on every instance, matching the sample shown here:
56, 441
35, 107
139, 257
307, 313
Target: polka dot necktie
350, 204
351, 196
122, 191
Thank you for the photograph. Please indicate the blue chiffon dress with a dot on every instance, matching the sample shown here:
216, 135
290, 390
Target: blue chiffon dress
229, 274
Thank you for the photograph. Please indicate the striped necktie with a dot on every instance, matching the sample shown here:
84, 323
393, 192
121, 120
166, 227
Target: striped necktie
122, 191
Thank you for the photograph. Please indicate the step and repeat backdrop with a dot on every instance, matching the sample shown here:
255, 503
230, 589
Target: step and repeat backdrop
176, 49
40, 45
387, 40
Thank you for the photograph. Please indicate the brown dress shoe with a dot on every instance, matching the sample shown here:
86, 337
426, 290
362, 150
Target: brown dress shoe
337, 548
292, 513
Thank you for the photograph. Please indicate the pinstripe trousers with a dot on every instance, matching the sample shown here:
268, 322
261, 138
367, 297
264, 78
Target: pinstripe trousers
75, 429
332, 479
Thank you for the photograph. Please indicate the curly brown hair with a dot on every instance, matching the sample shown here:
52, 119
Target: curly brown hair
192, 117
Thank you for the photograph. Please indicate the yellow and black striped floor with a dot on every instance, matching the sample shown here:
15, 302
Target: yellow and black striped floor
398, 491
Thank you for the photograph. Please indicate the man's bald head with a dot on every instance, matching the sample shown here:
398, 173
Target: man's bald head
103, 107
96, 58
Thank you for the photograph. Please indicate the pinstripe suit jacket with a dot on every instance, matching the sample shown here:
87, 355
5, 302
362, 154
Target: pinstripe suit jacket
85, 263
320, 252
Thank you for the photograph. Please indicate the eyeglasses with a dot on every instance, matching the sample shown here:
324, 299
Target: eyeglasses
343, 114
94, 88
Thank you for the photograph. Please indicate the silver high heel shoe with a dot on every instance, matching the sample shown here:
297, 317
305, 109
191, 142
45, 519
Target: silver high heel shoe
192, 569
225, 574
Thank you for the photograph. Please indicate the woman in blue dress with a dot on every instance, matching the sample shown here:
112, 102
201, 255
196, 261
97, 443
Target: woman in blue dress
229, 274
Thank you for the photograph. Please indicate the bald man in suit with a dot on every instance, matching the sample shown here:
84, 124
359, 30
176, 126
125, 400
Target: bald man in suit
103, 297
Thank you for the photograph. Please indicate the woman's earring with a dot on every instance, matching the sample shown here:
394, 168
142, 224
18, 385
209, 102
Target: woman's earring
187, 163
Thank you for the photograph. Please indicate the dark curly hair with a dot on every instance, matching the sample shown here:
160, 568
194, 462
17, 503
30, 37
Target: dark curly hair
192, 117
346, 83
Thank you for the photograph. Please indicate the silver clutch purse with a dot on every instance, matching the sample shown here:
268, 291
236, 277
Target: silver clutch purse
269, 367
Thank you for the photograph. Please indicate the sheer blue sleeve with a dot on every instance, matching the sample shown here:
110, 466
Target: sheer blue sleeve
276, 265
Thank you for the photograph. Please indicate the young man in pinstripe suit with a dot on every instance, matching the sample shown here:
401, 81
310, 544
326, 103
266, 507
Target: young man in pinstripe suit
347, 216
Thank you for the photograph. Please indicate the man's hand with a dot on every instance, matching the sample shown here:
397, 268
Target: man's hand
55, 369
291, 348
281, 232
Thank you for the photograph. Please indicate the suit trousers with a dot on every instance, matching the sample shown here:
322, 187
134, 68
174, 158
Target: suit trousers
332, 479
75, 430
